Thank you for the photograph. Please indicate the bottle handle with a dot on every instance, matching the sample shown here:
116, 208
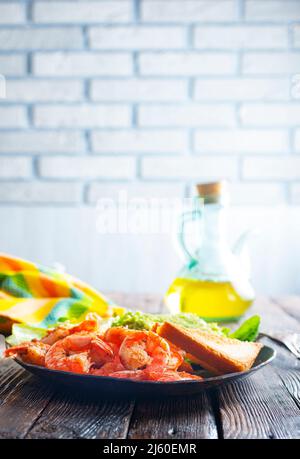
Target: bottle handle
187, 217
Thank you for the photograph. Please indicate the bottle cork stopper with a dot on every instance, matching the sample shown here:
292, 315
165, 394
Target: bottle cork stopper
212, 188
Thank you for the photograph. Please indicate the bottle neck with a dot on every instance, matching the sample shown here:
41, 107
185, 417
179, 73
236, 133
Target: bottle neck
214, 231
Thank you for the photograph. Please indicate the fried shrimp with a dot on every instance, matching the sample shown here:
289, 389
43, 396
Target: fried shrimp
144, 350
176, 359
116, 335
33, 352
119, 352
109, 368
89, 325
76, 352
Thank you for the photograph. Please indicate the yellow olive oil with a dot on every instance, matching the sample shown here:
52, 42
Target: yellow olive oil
211, 300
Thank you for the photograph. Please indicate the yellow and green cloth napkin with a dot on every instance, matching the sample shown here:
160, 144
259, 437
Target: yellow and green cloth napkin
42, 297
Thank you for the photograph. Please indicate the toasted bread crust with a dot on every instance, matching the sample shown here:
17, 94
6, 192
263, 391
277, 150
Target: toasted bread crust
218, 354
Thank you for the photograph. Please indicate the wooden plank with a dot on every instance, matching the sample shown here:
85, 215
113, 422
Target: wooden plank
173, 418
136, 301
267, 404
71, 415
22, 400
67, 416
80, 416
290, 304
274, 317
259, 407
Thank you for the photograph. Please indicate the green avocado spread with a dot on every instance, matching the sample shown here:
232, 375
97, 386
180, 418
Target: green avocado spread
142, 321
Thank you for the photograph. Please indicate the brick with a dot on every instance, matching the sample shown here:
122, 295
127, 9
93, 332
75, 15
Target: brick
295, 193
284, 168
139, 90
41, 142
137, 37
2, 87
188, 63
186, 115
188, 167
37, 192
84, 12
235, 37
241, 141
12, 13
241, 89
82, 115
261, 194
88, 167
14, 168
188, 11
272, 10
13, 65
271, 63
139, 141
15, 116
296, 35
82, 64
131, 191
50, 38
31, 90
270, 115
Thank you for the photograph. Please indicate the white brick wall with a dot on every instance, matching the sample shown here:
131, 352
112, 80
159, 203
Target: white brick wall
283, 63
142, 90
209, 81
94, 11
235, 37
83, 115
193, 10
187, 115
12, 13
140, 141
31, 90
41, 142
14, 116
137, 38
151, 96
270, 115
242, 89
14, 168
50, 38
204, 168
187, 64
12, 65
241, 141
82, 64
88, 167
272, 10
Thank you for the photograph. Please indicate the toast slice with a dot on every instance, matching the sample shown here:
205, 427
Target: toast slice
218, 354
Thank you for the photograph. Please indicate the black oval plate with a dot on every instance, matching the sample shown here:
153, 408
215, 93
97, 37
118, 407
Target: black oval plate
127, 388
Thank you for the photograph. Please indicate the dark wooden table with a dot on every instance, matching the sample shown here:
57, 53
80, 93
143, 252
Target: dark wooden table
266, 405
